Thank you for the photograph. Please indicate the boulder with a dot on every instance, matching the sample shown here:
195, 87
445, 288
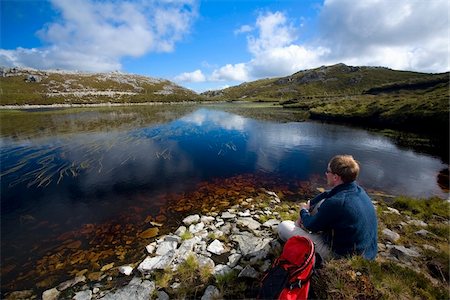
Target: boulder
403, 253
137, 289
216, 247
391, 235
192, 219
211, 293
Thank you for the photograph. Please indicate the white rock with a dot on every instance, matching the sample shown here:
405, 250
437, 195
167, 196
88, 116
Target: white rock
391, 235
157, 262
403, 253
51, 294
197, 227
417, 223
211, 293
137, 289
422, 232
271, 223
429, 247
233, 259
165, 247
207, 219
221, 270
69, 283
180, 231
246, 213
249, 223
216, 247
227, 215
127, 270
191, 219
83, 295
392, 210
150, 248
205, 262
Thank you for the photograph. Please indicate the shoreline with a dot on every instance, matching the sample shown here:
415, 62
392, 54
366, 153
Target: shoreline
108, 104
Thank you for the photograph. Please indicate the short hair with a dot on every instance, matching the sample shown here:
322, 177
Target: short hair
345, 166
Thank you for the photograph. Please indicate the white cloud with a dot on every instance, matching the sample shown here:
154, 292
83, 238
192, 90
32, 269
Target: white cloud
402, 34
94, 36
243, 29
196, 76
237, 72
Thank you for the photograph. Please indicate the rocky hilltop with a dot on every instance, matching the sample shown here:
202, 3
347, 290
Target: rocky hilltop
29, 86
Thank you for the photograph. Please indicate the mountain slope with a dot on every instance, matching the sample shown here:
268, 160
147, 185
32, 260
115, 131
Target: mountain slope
326, 81
27, 86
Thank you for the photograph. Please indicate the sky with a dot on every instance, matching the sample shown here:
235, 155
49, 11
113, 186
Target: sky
213, 44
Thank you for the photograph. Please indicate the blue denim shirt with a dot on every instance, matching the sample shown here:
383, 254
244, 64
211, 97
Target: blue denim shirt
347, 220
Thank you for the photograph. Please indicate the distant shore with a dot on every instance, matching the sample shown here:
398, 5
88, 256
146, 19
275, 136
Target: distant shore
108, 104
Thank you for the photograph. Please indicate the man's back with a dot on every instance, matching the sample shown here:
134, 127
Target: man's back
348, 221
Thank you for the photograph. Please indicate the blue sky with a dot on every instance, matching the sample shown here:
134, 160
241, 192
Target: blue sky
213, 44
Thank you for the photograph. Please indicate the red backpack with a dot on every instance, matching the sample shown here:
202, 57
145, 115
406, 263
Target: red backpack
288, 278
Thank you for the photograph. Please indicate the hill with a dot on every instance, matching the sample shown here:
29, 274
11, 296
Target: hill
324, 82
28, 86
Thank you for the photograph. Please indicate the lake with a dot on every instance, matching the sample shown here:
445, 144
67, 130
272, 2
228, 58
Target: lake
79, 186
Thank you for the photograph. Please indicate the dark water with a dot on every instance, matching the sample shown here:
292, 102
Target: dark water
63, 170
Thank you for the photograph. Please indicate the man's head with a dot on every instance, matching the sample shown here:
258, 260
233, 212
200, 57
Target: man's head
342, 169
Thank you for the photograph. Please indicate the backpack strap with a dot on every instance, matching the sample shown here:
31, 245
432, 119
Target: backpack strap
299, 283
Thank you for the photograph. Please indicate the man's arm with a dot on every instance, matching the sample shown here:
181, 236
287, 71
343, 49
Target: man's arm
320, 220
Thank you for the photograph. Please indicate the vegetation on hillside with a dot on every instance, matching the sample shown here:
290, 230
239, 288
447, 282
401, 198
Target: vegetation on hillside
24, 86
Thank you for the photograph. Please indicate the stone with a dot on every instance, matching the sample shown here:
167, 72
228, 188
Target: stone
391, 235
403, 253
249, 223
51, 294
221, 270
137, 289
107, 267
69, 283
422, 232
83, 295
150, 248
161, 295
216, 247
156, 263
246, 213
181, 230
252, 246
227, 215
233, 259
211, 293
127, 270
19, 295
206, 219
172, 238
165, 247
197, 227
419, 223
381, 247
272, 223
392, 211
191, 219
249, 272
186, 247
429, 247
149, 233
205, 262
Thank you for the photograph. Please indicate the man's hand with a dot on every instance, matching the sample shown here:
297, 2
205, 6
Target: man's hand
304, 205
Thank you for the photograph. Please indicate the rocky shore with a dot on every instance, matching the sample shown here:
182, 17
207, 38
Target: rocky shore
224, 255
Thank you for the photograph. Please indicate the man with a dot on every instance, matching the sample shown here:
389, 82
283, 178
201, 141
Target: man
344, 216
